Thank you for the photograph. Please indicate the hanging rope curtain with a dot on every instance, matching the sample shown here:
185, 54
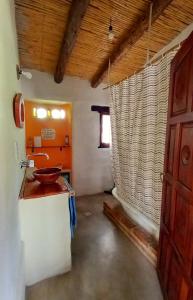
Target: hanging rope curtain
149, 33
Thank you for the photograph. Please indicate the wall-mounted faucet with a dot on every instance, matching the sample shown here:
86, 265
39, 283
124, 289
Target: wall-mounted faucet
38, 154
30, 163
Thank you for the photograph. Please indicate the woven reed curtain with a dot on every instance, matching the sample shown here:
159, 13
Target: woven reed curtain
138, 118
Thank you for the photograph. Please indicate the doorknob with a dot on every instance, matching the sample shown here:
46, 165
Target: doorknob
162, 176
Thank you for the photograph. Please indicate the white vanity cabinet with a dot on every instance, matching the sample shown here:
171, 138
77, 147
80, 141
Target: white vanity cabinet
45, 231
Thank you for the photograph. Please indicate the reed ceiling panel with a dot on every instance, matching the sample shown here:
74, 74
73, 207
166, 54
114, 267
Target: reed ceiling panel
41, 25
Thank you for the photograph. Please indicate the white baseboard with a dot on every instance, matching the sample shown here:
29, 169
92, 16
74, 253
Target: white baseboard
138, 217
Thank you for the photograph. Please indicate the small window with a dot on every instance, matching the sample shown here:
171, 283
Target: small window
105, 131
42, 113
57, 114
105, 125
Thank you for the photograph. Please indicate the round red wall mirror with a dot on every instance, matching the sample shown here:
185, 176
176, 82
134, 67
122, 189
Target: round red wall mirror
18, 110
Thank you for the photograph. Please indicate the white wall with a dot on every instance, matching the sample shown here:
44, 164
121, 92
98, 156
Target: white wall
91, 166
11, 281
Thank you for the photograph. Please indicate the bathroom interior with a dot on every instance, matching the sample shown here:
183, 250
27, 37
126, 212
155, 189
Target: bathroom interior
96, 118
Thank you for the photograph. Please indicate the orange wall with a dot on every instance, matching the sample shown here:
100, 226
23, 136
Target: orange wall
58, 156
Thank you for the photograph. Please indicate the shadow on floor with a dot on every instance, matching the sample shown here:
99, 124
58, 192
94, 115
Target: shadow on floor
105, 264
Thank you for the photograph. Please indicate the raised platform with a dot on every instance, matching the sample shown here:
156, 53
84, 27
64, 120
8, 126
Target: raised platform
145, 242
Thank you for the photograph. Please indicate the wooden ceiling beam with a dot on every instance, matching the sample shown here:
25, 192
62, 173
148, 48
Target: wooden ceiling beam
130, 39
76, 14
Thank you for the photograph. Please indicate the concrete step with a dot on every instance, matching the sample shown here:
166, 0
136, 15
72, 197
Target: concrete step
144, 241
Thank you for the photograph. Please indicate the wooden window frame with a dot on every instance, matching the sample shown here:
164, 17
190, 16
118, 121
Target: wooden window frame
102, 110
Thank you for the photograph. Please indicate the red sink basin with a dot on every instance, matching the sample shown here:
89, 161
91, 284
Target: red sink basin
47, 175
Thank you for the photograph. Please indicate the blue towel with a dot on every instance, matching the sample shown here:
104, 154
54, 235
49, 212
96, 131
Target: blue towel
73, 217
72, 207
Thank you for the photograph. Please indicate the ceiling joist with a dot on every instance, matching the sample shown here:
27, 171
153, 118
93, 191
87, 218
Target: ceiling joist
130, 39
76, 14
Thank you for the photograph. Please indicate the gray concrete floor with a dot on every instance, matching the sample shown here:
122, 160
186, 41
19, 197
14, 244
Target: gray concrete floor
106, 265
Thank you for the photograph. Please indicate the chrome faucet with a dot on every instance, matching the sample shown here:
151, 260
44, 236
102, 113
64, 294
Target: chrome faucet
38, 154
30, 163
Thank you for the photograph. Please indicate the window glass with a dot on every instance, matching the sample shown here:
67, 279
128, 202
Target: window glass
106, 130
105, 125
58, 114
41, 113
